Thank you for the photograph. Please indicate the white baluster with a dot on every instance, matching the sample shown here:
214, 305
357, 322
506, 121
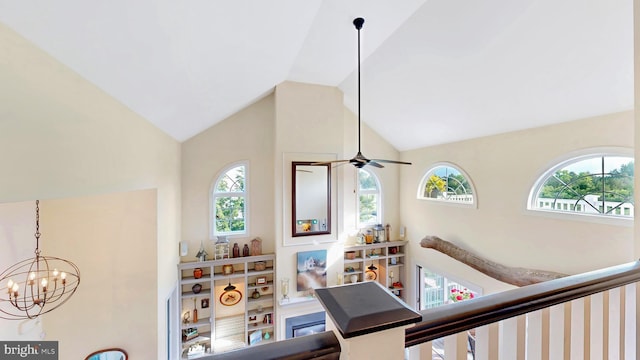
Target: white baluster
537, 327
578, 339
615, 324
630, 304
556, 331
597, 321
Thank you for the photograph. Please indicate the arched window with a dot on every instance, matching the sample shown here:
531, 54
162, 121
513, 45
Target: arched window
593, 184
229, 201
446, 182
369, 199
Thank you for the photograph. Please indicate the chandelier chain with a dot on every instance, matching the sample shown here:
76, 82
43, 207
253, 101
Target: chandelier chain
37, 234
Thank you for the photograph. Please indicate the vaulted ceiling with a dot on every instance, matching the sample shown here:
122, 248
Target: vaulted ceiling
433, 71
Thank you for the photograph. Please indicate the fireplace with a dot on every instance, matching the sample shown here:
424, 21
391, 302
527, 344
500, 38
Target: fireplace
305, 324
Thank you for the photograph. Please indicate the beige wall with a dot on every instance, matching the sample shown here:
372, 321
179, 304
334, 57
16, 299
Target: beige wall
246, 136
503, 169
112, 239
62, 137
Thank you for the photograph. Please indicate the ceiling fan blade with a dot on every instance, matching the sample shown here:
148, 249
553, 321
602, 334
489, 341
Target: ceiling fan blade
391, 161
375, 164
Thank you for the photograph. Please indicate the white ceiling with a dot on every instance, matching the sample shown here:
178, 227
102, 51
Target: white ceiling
433, 71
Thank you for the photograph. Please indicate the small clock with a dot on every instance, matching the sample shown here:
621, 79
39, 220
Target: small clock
231, 297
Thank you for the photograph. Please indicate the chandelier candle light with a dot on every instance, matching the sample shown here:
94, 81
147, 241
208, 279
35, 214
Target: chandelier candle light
37, 285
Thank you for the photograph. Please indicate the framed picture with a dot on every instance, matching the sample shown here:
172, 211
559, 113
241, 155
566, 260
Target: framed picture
312, 270
261, 280
204, 303
255, 337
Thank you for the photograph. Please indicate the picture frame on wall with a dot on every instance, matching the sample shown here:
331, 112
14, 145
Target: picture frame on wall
255, 337
204, 303
311, 270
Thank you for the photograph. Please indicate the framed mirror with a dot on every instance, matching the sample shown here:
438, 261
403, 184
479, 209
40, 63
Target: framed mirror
108, 354
311, 198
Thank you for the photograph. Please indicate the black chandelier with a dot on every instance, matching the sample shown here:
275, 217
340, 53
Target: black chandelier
37, 285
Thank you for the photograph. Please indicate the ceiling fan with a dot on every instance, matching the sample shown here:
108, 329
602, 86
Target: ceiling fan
360, 160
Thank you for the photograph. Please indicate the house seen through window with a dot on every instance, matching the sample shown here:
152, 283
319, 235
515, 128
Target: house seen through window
229, 201
587, 185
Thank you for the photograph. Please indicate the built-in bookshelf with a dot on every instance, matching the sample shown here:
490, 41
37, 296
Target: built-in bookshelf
382, 262
234, 303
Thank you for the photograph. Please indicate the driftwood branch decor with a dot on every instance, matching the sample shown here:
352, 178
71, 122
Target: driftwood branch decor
510, 275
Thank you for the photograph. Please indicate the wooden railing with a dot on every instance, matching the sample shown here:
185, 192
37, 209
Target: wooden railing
320, 346
585, 316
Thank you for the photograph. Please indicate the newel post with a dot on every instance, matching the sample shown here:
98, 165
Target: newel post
368, 320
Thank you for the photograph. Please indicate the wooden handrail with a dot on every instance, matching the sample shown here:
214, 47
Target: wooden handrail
457, 317
321, 346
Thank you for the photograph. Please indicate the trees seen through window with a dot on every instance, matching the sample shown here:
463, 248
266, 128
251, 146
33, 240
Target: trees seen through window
595, 184
229, 202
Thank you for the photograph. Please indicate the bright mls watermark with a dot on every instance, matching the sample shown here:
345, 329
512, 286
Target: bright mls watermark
30, 350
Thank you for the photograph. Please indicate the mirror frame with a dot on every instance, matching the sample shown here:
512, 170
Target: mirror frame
294, 165
126, 356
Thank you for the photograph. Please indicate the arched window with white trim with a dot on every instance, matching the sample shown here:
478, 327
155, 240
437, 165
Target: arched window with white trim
369, 199
597, 183
446, 182
229, 201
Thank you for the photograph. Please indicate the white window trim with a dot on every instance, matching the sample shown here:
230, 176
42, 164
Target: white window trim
559, 163
380, 213
212, 195
423, 181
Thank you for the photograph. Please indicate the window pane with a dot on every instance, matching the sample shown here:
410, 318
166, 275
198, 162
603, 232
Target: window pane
231, 181
596, 185
447, 183
230, 214
434, 294
369, 199
369, 208
367, 182
439, 290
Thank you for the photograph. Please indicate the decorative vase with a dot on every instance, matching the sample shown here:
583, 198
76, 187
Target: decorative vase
236, 250
196, 288
256, 294
354, 278
284, 289
245, 250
